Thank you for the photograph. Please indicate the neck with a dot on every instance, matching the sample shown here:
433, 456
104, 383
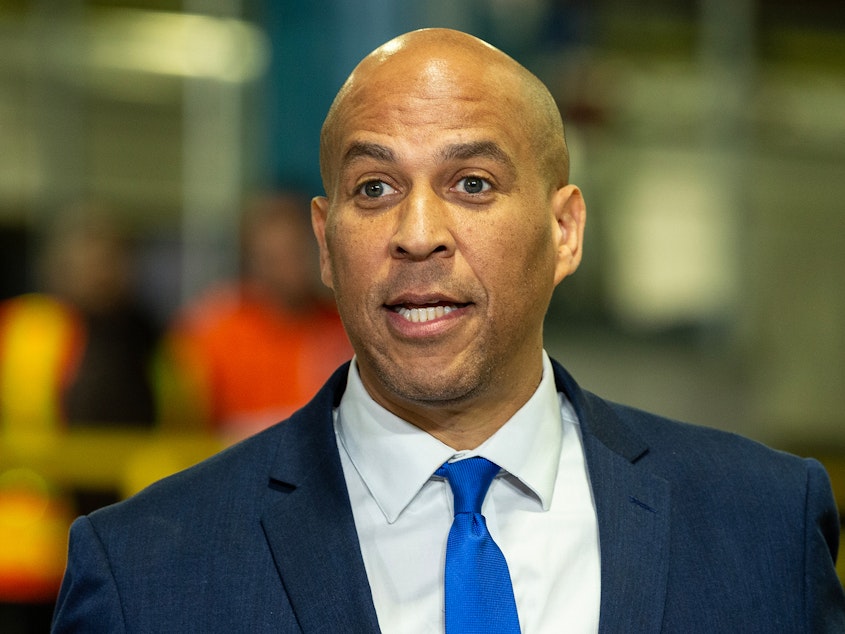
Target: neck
468, 422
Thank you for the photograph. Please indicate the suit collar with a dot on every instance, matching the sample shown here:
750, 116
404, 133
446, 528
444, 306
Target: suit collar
310, 528
598, 420
633, 510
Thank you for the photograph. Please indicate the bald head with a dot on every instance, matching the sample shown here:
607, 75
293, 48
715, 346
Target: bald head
443, 63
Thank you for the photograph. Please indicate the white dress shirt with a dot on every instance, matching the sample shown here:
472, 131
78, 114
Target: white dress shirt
539, 510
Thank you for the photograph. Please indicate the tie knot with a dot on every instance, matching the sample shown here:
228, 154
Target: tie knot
469, 480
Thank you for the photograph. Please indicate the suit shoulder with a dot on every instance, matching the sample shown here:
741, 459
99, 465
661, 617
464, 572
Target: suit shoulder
658, 440
217, 484
700, 451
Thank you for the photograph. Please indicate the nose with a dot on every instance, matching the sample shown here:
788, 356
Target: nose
423, 227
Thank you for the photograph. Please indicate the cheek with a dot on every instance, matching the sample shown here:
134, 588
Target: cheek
519, 263
521, 249
352, 259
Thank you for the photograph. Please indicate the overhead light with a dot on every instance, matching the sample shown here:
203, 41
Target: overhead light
173, 44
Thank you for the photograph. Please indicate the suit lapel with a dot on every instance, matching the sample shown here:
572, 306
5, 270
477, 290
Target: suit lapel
632, 507
309, 525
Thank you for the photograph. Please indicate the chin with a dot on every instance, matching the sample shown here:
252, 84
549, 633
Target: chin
428, 386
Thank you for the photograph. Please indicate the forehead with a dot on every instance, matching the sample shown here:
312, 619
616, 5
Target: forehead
431, 105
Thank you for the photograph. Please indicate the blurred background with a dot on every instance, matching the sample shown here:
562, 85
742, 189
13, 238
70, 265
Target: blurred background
708, 137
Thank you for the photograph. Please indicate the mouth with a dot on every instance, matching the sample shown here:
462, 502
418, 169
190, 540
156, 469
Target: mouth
420, 313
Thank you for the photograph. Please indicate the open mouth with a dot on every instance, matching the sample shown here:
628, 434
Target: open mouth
420, 314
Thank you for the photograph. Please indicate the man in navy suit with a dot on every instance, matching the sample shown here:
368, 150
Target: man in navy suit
448, 221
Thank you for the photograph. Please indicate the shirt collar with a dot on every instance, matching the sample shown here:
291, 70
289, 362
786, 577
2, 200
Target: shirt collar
395, 458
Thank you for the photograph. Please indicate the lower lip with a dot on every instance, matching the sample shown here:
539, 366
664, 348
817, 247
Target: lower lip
426, 329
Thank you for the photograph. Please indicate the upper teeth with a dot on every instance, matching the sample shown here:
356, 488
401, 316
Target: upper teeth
424, 314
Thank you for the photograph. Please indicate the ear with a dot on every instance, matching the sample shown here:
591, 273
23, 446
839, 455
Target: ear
319, 214
570, 213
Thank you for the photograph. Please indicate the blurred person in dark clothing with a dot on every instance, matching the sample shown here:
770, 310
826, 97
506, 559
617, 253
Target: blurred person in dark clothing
90, 265
81, 351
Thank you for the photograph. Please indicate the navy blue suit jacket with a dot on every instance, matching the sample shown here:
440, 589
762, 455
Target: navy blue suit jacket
700, 531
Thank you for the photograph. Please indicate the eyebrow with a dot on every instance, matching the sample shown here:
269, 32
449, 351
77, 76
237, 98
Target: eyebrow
362, 149
478, 149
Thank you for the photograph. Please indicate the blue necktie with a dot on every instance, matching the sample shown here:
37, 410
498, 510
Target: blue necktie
479, 594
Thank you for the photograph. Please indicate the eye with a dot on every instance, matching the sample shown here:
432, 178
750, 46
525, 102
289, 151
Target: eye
473, 185
375, 189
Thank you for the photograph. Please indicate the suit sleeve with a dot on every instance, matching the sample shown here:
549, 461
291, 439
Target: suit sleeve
88, 600
824, 598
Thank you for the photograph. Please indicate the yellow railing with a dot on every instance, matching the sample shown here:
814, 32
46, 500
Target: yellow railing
38, 470
109, 459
